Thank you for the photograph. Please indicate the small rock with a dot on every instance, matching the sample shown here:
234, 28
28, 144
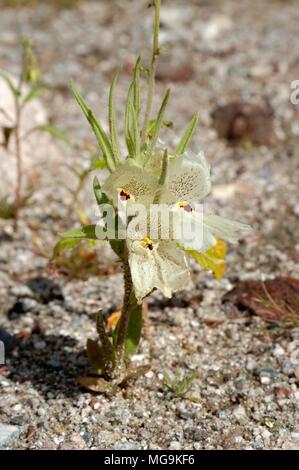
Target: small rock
240, 414
54, 362
8, 340
250, 364
75, 442
8, 434
200, 434
265, 379
175, 445
278, 351
125, 445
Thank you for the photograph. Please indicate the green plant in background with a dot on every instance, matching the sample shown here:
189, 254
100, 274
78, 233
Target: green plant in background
147, 174
178, 383
24, 91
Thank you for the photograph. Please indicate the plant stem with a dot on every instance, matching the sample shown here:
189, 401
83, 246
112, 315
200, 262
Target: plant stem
153, 69
18, 164
125, 313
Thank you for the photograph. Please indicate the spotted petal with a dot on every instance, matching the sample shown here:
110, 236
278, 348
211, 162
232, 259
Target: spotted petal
188, 179
138, 185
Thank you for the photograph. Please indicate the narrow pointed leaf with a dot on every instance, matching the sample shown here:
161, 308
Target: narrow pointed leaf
137, 99
87, 231
112, 123
135, 133
9, 83
101, 198
71, 238
34, 93
159, 122
134, 331
56, 133
129, 138
99, 132
188, 134
162, 177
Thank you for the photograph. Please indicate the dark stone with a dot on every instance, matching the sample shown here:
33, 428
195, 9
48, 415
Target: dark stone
45, 289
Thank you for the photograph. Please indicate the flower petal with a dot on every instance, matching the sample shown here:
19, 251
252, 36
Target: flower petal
163, 267
188, 179
189, 230
226, 229
139, 185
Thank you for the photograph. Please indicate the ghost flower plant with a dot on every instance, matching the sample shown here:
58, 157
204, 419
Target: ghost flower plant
155, 255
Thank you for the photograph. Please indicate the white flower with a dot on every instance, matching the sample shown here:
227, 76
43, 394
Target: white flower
131, 183
162, 264
188, 179
157, 264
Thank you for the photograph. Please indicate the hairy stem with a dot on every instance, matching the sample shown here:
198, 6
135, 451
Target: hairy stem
125, 314
153, 69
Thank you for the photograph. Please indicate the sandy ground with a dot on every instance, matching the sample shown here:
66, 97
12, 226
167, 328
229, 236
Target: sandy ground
246, 395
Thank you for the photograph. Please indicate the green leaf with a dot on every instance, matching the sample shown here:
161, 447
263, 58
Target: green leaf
104, 339
129, 105
159, 122
101, 355
135, 111
94, 355
162, 177
135, 133
101, 198
213, 258
134, 331
188, 134
137, 93
34, 93
98, 164
56, 133
112, 125
87, 232
10, 84
118, 246
151, 125
71, 238
98, 130
65, 244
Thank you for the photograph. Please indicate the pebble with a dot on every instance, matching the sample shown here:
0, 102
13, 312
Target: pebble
240, 414
8, 435
175, 445
126, 445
